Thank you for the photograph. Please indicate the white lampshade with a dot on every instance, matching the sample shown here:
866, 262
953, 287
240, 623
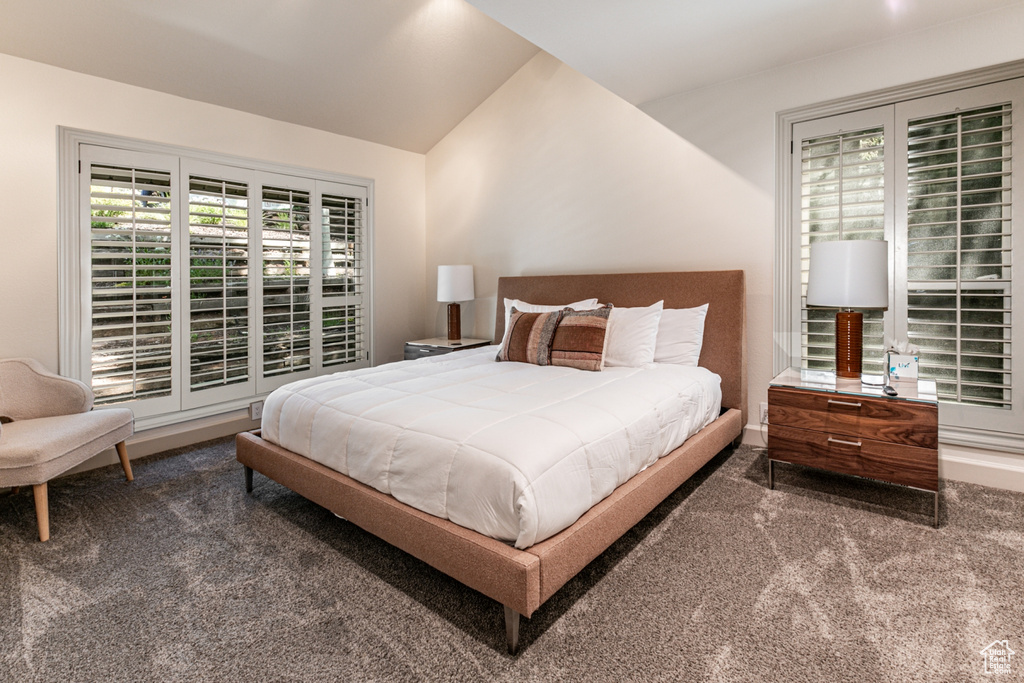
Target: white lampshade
849, 274
455, 283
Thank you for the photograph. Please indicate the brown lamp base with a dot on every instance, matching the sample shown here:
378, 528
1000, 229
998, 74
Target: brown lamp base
454, 322
849, 340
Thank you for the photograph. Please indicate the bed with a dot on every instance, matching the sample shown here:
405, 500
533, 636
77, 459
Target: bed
523, 578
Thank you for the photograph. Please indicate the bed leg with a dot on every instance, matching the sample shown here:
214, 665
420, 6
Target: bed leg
248, 479
512, 630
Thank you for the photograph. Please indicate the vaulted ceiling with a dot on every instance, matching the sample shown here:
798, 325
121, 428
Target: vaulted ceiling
405, 72
399, 72
644, 50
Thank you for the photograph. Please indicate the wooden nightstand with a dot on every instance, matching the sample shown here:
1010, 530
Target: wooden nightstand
842, 425
438, 346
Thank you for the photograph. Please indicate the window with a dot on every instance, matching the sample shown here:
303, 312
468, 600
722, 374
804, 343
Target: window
219, 320
195, 284
933, 176
959, 280
287, 246
842, 197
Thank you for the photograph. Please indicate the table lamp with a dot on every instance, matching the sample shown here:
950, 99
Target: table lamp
454, 284
849, 274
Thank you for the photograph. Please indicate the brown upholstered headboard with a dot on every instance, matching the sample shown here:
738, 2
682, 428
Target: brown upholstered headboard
724, 349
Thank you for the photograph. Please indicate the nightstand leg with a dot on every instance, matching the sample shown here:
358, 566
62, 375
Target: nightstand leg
771, 474
936, 509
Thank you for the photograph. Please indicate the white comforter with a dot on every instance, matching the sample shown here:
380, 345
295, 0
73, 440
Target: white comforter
515, 451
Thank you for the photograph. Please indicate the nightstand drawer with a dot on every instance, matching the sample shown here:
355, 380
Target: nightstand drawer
898, 464
882, 419
414, 351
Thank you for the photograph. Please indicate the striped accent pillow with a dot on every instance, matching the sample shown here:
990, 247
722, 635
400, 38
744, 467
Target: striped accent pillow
529, 336
579, 340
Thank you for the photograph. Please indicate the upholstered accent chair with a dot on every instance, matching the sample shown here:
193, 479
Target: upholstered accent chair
47, 426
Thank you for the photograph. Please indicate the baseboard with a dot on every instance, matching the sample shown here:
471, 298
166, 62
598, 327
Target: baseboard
997, 469
979, 466
756, 435
165, 438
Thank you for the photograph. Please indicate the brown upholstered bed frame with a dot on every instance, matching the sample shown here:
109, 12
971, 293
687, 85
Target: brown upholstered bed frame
522, 580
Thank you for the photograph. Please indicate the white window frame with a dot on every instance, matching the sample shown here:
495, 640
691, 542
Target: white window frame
966, 99
267, 384
82, 231
323, 300
216, 395
876, 117
74, 263
787, 346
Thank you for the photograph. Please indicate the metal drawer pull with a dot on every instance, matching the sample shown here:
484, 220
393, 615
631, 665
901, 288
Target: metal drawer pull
845, 443
845, 403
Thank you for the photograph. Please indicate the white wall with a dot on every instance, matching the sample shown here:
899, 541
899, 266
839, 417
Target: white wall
554, 174
734, 123
35, 99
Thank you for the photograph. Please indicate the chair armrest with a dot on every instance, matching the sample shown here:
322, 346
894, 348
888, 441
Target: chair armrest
28, 390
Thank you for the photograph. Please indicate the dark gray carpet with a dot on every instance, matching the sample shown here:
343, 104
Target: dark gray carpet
182, 576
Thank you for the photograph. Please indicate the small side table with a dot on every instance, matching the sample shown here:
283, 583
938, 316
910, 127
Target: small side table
849, 426
438, 346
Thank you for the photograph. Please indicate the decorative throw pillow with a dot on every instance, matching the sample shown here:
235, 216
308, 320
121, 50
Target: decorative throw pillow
526, 307
680, 335
632, 333
528, 338
580, 338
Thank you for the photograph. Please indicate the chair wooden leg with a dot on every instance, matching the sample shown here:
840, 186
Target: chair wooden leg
42, 511
122, 453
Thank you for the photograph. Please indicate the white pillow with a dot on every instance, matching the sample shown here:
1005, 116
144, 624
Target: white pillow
631, 337
585, 305
680, 335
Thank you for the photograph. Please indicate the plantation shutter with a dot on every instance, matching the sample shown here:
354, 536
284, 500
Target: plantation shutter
287, 303
219, 312
195, 287
128, 218
940, 173
840, 180
343, 275
958, 255
285, 287
957, 300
